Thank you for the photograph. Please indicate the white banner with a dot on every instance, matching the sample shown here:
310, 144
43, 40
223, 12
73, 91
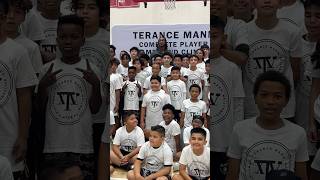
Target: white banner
181, 38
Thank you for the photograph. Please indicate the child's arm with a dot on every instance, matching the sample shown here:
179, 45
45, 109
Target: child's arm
301, 170
164, 87
295, 65
162, 172
142, 122
233, 169
177, 140
116, 150
182, 119
204, 115
116, 106
139, 90
132, 154
137, 169
183, 172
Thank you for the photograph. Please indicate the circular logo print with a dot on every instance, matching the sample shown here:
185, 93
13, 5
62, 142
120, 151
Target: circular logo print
6, 83
155, 104
266, 55
220, 100
198, 169
131, 91
192, 111
264, 156
152, 164
68, 99
193, 79
175, 93
128, 145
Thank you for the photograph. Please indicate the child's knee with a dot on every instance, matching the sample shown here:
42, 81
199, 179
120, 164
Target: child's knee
130, 175
162, 178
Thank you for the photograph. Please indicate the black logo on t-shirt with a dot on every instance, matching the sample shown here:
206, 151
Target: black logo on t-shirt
155, 103
198, 169
220, 99
175, 92
6, 83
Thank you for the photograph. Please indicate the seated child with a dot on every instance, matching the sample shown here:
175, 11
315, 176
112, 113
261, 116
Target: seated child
154, 160
127, 142
197, 122
195, 158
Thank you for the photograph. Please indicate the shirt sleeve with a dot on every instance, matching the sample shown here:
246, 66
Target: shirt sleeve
316, 161
184, 156
183, 107
141, 138
175, 129
204, 107
234, 150
186, 135
117, 137
302, 148
237, 86
241, 34
296, 44
168, 157
144, 101
26, 75
142, 151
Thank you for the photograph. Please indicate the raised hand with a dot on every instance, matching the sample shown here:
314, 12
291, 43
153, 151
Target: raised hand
49, 78
89, 75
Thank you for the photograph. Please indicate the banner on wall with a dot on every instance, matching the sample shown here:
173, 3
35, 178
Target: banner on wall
123, 3
181, 38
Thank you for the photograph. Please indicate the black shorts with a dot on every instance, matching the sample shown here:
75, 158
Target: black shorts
123, 152
143, 174
220, 164
198, 178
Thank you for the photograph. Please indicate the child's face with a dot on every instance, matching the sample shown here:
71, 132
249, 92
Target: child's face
197, 141
112, 53
15, 17
155, 139
137, 65
166, 59
134, 53
267, 7
158, 60
206, 52
312, 21
89, 11
175, 74
155, 85
242, 6
125, 61
207, 68
114, 68
200, 55
185, 62
177, 61
155, 69
197, 123
194, 92
271, 99
131, 121
131, 73
193, 61
70, 39
167, 115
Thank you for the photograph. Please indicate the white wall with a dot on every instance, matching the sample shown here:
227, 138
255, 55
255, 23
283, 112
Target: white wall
186, 12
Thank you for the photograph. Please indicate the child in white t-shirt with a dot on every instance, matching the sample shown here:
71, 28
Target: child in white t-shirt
166, 67
197, 122
127, 141
151, 109
268, 140
195, 75
156, 68
123, 67
154, 160
172, 136
177, 91
131, 90
115, 88
192, 107
195, 158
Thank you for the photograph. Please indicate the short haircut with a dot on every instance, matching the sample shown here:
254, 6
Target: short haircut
200, 50
199, 131
178, 56
168, 106
156, 55
309, 3
175, 68
71, 19
196, 86
274, 76
185, 56
101, 4
195, 56
138, 60
167, 54
4, 6
124, 55
134, 48
159, 129
113, 47
127, 114
158, 78
132, 67
156, 64
145, 56
198, 117
217, 22
115, 61
21, 4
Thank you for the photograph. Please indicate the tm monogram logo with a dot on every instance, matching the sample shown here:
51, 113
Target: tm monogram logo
174, 93
269, 166
67, 99
131, 93
264, 63
154, 104
215, 97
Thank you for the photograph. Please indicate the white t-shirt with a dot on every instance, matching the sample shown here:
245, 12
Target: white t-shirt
131, 97
147, 83
195, 77
154, 159
191, 109
31, 27
5, 169
202, 66
122, 70
172, 129
187, 135
148, 70
271, 50
68, 116
33, 51
260, 149
177, 91
49, 28
316, 161
236, 32
183, 71
227, 85
154, 101
293, 14
165, 71
129, 141
15, 72
115, 84
197, 166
